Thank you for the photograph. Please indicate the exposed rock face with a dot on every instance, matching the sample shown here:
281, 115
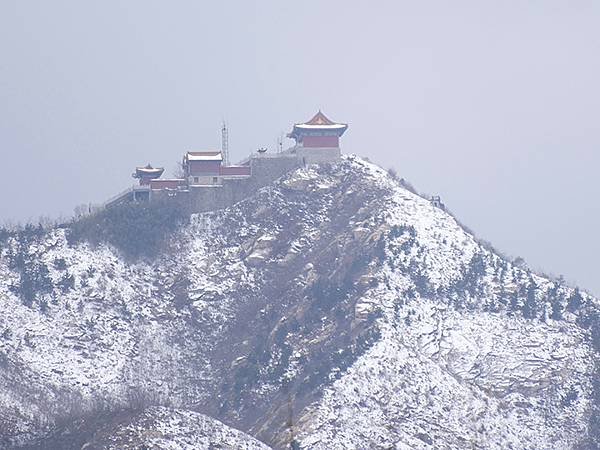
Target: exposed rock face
334, 300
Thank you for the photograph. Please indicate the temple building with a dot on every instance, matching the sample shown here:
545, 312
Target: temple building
146, 176
147, 173
206, 168
317, 140
208, 182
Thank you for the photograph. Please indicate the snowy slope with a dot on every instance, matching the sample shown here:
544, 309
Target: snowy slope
334, 297
448, 377
153, 428
176, 429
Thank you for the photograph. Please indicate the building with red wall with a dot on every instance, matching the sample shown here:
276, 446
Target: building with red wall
207, 183
317, 140
206, 168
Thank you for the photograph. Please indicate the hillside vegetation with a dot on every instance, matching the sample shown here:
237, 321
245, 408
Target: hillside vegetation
138, 229
334, 307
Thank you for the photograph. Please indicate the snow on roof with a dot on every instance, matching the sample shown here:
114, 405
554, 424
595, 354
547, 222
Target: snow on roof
148, 172
320, 122
204, 156
150, 169
335, 126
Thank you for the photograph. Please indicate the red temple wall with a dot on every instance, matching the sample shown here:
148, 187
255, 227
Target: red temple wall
321, 141
204, 167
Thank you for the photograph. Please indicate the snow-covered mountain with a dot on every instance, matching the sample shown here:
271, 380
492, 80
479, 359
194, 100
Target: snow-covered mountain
334, 308
150, 428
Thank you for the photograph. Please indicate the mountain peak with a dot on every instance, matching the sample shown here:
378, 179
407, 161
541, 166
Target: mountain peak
333, 307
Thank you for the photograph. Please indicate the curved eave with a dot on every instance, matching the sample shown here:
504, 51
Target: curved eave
303, 128
307, 126
144, 172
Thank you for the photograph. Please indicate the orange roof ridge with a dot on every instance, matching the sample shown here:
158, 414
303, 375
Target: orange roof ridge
320, 119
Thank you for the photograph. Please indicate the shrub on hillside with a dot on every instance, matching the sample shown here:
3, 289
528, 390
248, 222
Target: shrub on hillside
136, 229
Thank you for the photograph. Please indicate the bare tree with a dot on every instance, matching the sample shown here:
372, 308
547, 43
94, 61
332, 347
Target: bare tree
179, 170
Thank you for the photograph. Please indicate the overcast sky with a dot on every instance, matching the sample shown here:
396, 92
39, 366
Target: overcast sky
495, 106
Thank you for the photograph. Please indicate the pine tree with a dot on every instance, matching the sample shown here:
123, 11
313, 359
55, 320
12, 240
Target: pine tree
530, 308
575, 301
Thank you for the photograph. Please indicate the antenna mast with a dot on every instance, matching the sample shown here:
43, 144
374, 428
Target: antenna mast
225, 143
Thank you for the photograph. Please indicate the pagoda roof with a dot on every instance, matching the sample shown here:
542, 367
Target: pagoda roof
204, 156
148, 171
319, 122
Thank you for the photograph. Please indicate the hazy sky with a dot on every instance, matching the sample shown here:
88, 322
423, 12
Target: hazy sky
493, 105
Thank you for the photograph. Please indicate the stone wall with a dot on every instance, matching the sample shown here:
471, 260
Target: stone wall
317, 155
265, 170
